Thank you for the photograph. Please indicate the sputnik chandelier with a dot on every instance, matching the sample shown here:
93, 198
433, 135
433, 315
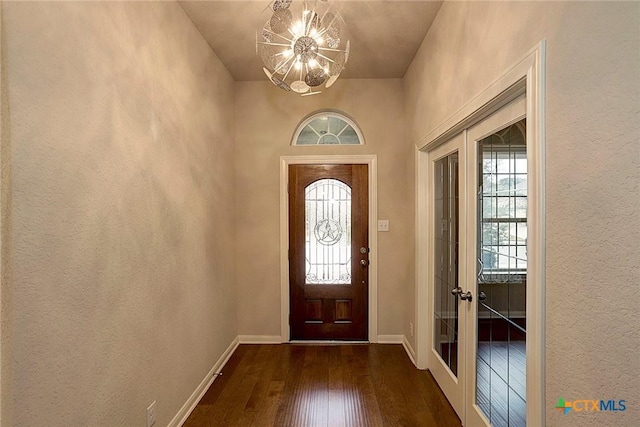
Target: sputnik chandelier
307, 48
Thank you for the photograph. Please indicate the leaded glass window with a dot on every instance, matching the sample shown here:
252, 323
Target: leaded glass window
502, 199
328, 232
327, 128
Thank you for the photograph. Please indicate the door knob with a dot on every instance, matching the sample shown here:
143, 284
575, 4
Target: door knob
466, 296
364, 262
456, 291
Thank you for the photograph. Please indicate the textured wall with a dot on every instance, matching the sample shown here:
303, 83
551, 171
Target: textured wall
266, 120
592, 174
122, 227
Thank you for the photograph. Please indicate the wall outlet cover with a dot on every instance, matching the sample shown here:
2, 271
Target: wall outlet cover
383, 225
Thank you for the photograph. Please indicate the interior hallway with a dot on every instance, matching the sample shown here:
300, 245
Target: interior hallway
140, 193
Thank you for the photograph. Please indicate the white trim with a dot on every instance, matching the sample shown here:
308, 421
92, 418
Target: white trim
527, 76
409, 349
260, 339
390, 339
5, 392
422, 331
202, 388
372, 161
536, 252
499, 93
399, 339
327, 342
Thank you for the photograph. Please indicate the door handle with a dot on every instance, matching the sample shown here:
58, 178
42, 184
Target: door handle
464, 296
364, 262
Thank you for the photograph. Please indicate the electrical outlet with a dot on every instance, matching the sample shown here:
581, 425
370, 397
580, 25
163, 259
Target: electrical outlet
151, 414
411, 328
383, 225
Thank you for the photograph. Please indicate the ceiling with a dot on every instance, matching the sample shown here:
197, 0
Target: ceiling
384, 35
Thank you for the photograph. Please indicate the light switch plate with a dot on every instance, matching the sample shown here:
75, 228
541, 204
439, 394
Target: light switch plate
383, 225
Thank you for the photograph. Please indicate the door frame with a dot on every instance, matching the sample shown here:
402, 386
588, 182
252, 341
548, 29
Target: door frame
365, 159
525, 77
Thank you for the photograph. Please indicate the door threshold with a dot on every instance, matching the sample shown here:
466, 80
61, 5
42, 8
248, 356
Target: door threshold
326, 342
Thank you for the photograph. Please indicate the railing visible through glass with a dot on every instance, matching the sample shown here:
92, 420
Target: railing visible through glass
502, 276
328, 232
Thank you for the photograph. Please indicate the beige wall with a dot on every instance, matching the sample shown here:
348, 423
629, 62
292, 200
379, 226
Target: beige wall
120, 137
266, 120
592, 173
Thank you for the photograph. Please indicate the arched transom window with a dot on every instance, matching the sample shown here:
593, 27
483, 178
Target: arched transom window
327, 128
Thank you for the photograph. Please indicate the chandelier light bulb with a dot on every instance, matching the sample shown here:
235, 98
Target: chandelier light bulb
303, 49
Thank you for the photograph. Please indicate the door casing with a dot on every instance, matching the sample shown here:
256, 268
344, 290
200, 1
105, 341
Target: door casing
369, 159
526, 77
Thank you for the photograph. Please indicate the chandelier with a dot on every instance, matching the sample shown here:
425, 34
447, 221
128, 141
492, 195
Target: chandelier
305, 49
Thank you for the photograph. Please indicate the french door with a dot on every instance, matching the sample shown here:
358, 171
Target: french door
478, 269
447, 174
329, 252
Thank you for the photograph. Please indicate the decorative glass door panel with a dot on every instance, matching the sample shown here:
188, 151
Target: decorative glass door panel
497, 269
502, 276
328, 232
447, 177
445, 272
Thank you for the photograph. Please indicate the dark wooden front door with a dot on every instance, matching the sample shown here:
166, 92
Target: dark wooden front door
328, 251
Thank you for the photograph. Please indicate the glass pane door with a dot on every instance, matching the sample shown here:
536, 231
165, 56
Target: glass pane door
497, 269
502, 276
447, 178
445, 252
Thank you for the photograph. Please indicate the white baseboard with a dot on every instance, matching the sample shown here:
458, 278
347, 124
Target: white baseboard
195, 397
410, 351
399, 339
260, 339
390, 339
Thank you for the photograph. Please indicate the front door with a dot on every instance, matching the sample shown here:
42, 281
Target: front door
328, 252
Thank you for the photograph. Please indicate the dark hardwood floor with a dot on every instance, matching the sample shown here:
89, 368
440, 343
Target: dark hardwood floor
323, 385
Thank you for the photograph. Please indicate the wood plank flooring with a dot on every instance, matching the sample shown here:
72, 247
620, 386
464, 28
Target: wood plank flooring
323, 385
501, 382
